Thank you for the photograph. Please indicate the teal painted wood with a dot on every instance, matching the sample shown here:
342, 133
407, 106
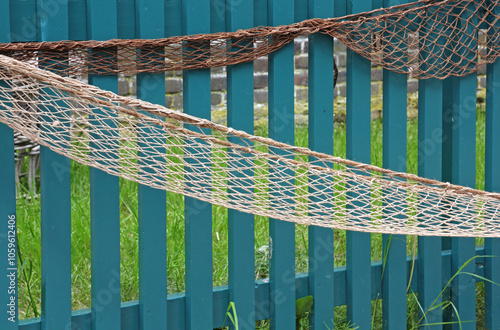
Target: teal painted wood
198, 214
321, 247
358, 147
55, 197
150, 24
394, 157
459, 166
429, 165
77, 18
81, 319
104, 193
127, 18
8, 216
23, 25
240, 115
281, 128
492, 183
430, 128
173, 25
302, 11
462, 163
218, 13
260, 12
8, 230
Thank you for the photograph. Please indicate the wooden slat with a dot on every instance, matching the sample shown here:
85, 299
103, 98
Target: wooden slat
8, 278
173, 26
198, 214
77, 18
240, 115
394, 157
462, 169
281, 128
104, 194
492, 183
429, 165
358, 147
429, 161
152, 202
459, 166
321, 247
23, 25
55, 201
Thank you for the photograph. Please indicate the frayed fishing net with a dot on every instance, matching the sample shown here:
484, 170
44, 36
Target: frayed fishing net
170, 150
426, 39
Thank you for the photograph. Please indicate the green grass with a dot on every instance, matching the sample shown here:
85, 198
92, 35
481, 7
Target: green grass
29, 235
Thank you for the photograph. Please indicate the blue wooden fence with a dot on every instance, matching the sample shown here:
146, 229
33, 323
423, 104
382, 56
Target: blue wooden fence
447, 110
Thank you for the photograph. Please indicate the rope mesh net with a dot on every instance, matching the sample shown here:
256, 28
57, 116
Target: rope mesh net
426, 39
169, 150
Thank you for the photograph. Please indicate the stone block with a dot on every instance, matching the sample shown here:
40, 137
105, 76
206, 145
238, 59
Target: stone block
301, 61
123, 87
177, 102
261, 64
219, 82
412, 86
260, 96
216, 98
302, 95
173, 85
301, 79
377, 74
260, 80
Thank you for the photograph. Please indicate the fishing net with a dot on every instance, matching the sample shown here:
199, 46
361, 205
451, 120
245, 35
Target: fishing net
426, 39
170, 150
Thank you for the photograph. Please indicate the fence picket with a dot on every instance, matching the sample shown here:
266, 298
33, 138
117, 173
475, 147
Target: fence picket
358, 147
7, 201
430, 124
459, 166
55, 200
104, 194
321, 246
394, 157
152, 202
281, 128
241, 226
198, 214
429, 160
492, 183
